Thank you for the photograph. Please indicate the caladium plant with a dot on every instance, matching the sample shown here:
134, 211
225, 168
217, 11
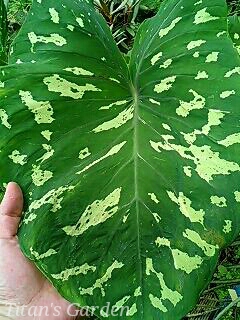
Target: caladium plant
130, 171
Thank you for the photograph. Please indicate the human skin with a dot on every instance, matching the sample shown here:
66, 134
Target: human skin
21, 283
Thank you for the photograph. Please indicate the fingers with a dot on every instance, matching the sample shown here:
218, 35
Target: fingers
12, 203
10, 211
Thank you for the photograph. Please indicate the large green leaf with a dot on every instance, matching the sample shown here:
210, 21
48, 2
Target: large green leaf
130, 174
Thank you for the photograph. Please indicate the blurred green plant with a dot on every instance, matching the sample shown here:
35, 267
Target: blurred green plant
121, 17
234, 7
151, 4
17, 11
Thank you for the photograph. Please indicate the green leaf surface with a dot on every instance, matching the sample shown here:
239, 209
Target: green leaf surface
130, 173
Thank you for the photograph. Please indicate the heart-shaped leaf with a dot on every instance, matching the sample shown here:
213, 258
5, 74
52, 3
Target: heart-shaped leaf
130, 173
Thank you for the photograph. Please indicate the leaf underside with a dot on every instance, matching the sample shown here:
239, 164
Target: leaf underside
130, 172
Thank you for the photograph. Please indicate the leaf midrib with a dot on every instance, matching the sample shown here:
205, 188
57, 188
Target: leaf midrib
136, 171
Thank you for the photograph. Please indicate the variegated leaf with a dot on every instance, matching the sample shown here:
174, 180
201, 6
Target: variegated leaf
130, 173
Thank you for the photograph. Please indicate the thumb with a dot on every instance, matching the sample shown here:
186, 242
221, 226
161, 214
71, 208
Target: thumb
10, 211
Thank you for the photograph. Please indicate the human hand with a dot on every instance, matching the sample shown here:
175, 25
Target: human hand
21, 284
